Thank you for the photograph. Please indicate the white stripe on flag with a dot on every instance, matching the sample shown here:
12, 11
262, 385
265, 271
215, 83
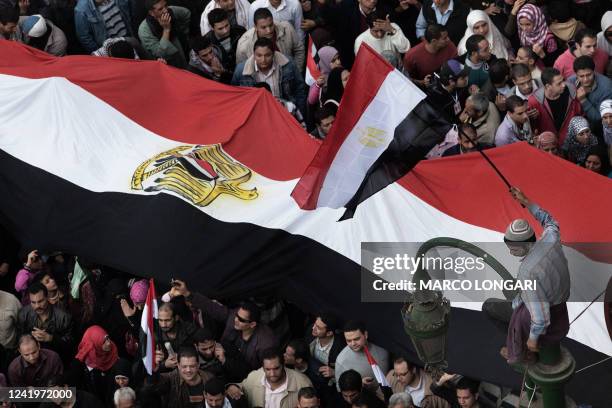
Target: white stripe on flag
370, 137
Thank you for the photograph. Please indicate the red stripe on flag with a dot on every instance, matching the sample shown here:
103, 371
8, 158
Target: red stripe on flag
368, 74
151, 298
311, 64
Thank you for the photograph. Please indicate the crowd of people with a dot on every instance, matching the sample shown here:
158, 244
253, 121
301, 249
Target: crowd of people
67, 322
501, 71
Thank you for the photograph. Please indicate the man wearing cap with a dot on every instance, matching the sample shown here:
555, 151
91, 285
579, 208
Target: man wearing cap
539, 316
44, 35
548, 143
449, 92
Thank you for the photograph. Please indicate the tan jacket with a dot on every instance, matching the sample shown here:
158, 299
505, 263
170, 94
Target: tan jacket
287, 42
429, 400
255, 391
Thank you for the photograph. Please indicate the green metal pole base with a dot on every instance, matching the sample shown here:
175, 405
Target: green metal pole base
554, 368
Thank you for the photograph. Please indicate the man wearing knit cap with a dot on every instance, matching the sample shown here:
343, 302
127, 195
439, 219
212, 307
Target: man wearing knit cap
44, 35
539, 316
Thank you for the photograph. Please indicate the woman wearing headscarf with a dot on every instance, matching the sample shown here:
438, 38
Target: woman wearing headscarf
597, 161
478, 22
338, 77
95, 357
120, 377
329, 58
605, 110
534, 33
604, 37
579, 140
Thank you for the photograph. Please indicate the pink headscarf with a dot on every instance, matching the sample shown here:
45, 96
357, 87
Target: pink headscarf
138, 291
540, 29
326, 55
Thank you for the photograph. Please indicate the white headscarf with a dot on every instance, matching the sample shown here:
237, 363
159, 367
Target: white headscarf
602, 41
499, 44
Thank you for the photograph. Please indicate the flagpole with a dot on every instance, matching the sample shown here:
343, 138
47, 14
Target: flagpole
479, 148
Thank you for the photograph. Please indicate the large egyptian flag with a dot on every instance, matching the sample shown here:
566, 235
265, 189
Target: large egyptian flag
384, 127
160, 173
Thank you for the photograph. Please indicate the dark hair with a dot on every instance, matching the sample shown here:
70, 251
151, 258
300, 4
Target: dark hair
37, 287
261, 14
362, 401
513, 102
519, 70
584, 33
271, 354
200, 43
468, 384
214, 386
167, 306
471, 44
121, 49
377, 14
559, 11
335, 90
150, 3
531, 54
499, 70
434, 32
301, 349
400, 360
252, 308
203, 334
327, 318
353, 325
9, 15
320, 114
217, 15
40, 275
264, 42
350, 380
548, 74
149, 397
187, 352
583, 62
181, 309
599, 151
307, 393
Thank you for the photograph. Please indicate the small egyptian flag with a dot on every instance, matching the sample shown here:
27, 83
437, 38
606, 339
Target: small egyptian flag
312, 61
384, 127
147, 329
378, 374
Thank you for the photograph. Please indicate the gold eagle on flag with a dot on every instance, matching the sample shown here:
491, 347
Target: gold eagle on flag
198, 173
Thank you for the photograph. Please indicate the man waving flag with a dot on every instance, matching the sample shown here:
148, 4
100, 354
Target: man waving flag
384, 127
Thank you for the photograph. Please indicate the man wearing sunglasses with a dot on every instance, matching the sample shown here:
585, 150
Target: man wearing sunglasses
243, 328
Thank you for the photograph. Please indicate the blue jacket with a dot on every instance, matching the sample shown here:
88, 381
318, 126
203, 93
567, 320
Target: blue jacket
292, 85
602, 91
89, 24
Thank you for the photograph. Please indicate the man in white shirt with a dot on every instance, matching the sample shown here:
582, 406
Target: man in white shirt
383, 35
282, 10
237, 11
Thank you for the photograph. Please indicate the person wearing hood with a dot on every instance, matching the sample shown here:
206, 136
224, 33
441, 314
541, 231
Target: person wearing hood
604, 37
579, 140
329, 58
478, 22
120, 377
605, 110
95, 357
563, 26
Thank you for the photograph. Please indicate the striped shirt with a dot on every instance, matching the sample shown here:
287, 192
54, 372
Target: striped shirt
115, 26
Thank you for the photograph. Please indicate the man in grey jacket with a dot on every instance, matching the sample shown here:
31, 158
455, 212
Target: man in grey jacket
591, 88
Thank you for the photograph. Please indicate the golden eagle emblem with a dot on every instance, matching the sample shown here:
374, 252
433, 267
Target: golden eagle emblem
198, 173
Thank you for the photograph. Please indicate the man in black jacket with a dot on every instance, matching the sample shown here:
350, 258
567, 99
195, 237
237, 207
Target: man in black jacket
49, 325
224, 37
448, 90
221, 359
448, 13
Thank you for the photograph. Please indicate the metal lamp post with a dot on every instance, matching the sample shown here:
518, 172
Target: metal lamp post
426, 315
